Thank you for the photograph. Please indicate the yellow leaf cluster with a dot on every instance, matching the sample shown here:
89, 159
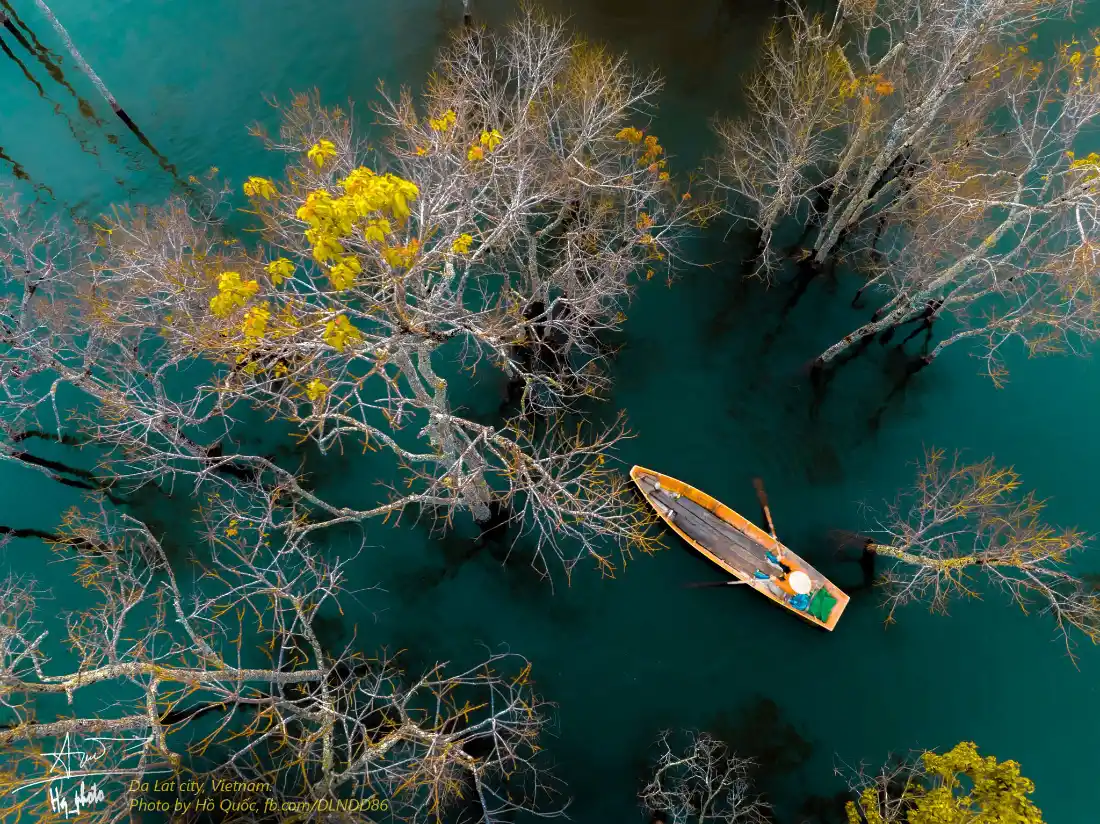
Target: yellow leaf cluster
375, 231
280, 269
653, 150
339, 333
321, 151
461, 244
255, 323
259, 187
476, 153
233, 293
369, 200
630, 135
491, 139
316, 389
443, 122
342, 275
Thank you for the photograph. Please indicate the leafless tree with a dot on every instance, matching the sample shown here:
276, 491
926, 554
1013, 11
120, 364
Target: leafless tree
700, 782
924, 133
1003, 237
963, 525
843, 103
772, 162
238, 647
519, 212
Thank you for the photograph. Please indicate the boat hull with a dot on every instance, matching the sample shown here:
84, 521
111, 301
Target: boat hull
729, 540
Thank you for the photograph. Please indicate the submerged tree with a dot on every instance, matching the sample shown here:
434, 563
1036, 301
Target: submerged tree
923, 133
1002, 234
701, 781
963, 525
225, 677
958, 787
521, 203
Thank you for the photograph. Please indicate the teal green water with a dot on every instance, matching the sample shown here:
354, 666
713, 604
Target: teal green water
714, 391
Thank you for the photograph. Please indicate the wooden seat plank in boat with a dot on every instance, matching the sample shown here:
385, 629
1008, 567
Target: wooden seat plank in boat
729, 540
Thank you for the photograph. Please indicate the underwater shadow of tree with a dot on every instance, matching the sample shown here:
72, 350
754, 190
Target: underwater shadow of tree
170, 518
825, 809
500, 549
759, 732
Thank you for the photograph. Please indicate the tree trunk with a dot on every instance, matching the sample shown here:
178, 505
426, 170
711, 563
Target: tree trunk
869, 329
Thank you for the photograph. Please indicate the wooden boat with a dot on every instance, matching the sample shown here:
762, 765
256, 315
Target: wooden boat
735, 544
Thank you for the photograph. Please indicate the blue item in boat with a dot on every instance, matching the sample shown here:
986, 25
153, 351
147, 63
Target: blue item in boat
800, 602
763, 576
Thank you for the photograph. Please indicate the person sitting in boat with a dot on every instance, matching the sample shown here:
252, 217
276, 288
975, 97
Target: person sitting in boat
782, 560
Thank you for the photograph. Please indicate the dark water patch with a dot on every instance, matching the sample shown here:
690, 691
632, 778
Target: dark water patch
825, 809
169, 521
853, 548
331, 631
761, 733
901, 371
822, 463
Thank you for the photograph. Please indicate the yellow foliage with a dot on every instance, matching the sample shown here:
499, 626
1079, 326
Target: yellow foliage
476, 153
280, 269
326, 249
993, 793
443, 122
630, 135
342, 275
365, 195
339, 333
388, 194
653, 150
490, 140
259, 187
462, 243
316, 389
233, 293
255, 323
321, 151
376, 230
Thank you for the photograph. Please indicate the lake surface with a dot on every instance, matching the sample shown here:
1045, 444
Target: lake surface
711, 377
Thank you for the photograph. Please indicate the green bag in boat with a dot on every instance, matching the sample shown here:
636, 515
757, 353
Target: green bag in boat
822, 605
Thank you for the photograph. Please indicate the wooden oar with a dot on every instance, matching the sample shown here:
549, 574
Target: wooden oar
705, 584
763, 496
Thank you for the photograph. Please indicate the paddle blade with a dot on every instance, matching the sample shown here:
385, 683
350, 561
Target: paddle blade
763, 497
761, 494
